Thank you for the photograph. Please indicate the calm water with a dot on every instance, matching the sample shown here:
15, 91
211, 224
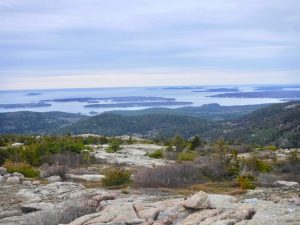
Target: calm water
184, 94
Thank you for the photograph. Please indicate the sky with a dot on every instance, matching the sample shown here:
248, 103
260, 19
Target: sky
111, 43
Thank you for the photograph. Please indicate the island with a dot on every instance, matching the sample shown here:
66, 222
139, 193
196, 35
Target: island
260, 94
114, 99
136, 104
24, 105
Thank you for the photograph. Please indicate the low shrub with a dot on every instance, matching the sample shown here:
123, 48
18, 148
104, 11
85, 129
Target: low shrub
114, 146
23, 168
178, 175
246, 182
263, 167
158, 154
187, 156
55, 170
116, 177
254, 164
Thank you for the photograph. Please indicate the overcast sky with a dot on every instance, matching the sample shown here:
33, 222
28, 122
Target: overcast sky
99, 43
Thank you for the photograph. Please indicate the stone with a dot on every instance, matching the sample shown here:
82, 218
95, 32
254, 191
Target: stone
53, 179
199, 200
27, 182
197, 217
86, 177
29, 209
36, 182
119, 212
105, 197
16, 174
287, 183
13, 180
3, 171
1, 178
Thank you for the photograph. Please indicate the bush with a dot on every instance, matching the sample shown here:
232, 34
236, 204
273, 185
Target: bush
114, 146
55, 170
246, 182
176, 175
116, 177
23, 168
3, 155
158, 154
187, 156
254, 164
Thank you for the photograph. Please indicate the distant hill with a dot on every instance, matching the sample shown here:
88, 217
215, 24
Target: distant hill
149, 125
214, 112
26, 122
277, 124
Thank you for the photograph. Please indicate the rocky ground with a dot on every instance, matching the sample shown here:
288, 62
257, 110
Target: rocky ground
32, 202
26, 203
131, 155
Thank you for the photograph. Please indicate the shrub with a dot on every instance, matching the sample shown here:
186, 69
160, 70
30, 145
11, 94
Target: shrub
158, 154
23, 168
3, 155
246, 182
176, 175
263, 167
187, 156
55, 170
293, 157
114, 146
254, 164
116, 177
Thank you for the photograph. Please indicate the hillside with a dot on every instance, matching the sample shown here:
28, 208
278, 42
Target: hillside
214, 112
151, 125
277, 124
26, 122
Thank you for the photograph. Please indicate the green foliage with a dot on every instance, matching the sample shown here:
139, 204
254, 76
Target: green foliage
158, 154
114, 146
268, 147
187, 156
194, 143
263, 167
257, 165
246, 182
3, 155
179, 142
23, 168
36, 149
294, 157
116, 177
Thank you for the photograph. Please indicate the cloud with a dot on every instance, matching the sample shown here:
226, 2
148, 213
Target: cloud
100, 35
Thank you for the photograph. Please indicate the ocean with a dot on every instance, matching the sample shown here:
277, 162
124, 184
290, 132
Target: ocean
76, 100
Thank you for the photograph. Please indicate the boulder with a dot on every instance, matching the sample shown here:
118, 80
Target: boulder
86, 177
29, 209
13, 180
198, 201
3, 170
1, 178
105, 197
27, 182
53, 179
16, 174
119, 212
287, 183
36, 182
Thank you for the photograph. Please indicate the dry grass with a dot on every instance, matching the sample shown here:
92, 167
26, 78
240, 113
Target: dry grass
226, 187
